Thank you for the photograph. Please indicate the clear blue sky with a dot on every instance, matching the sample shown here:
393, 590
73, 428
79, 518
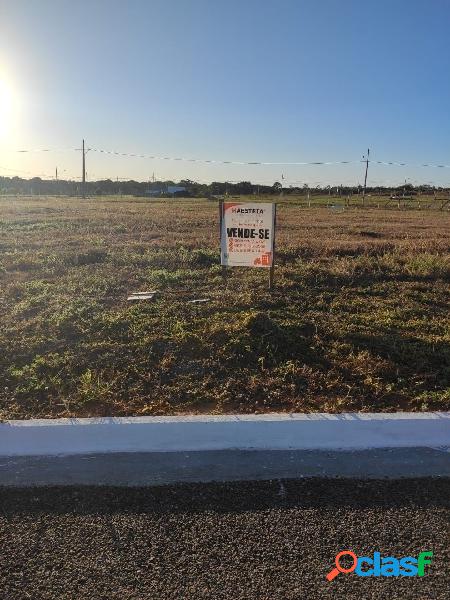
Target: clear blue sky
251, 80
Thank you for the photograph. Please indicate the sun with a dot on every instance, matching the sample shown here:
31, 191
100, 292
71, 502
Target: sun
6, 107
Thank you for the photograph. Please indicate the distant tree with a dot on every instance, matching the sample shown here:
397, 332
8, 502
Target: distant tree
217, 188
277, 187
243, 188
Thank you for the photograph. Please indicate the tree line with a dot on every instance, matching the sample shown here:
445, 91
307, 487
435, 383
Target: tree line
38, 186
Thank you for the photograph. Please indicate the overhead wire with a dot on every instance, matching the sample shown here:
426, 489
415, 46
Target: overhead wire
214, 162
231, 162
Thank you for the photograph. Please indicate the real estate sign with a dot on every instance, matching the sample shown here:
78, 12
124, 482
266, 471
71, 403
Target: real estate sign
247, 234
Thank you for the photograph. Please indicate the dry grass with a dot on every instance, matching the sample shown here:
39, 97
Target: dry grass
359, 320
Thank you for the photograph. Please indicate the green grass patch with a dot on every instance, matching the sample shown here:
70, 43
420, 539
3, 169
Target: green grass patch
359, 318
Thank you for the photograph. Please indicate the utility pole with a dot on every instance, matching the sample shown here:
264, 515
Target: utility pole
83, 175
56, 174
365, 177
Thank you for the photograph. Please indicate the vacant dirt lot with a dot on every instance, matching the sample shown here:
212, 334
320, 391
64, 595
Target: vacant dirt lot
359, 320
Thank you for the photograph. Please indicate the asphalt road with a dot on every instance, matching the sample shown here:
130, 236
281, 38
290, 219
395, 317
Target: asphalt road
272, 540
161, 468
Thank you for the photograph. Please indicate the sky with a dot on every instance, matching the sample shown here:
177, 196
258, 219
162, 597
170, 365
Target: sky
276, 81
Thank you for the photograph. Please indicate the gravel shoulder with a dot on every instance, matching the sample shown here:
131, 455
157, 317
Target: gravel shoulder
271, 540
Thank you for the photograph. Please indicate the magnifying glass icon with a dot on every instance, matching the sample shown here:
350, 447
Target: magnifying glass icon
339, 568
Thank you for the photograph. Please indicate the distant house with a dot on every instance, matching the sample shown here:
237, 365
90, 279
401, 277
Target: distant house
176, 189
171, 190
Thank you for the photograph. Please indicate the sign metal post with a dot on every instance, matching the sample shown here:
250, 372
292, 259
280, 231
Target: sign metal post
272, 266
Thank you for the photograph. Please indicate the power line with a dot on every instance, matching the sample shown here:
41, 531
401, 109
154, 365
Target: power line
232, 162
32, 150
365, 176
221, 162
15, 170
24, 172
267, 163
83, 175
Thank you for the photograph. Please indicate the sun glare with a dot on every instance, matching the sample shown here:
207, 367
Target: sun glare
6, 107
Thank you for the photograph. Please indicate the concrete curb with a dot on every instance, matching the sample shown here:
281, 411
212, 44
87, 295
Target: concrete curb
160, 450
346, 431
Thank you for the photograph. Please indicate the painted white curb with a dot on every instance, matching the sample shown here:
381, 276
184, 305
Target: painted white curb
346, 431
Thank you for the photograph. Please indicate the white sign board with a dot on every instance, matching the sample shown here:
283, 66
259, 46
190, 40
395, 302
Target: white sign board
247, 234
